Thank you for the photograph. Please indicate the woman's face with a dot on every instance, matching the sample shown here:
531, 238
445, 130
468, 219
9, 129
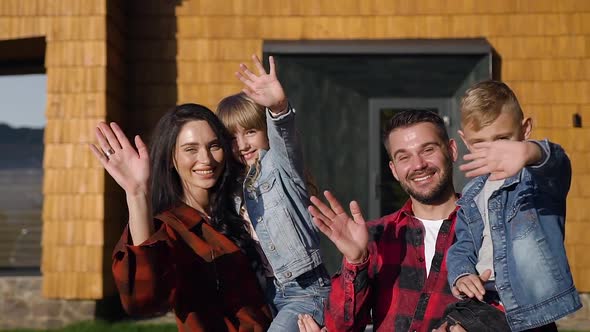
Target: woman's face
198, 156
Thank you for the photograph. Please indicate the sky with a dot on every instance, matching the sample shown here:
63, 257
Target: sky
22, 100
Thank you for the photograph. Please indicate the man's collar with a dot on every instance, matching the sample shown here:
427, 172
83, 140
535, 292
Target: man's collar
406, 211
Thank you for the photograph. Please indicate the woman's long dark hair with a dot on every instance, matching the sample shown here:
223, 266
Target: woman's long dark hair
166, 185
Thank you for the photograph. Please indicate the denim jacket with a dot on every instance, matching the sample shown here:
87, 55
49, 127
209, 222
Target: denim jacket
277, 202
527, 225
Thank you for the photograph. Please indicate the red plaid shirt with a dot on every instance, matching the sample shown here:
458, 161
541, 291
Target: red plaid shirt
188, 266
392, 283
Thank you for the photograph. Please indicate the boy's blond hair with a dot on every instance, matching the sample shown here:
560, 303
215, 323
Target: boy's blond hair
482, 104
239, 110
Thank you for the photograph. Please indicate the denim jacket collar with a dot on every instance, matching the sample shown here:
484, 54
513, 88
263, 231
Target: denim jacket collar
475, 186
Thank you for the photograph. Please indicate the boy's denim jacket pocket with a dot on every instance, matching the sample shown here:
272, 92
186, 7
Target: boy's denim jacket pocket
527, 224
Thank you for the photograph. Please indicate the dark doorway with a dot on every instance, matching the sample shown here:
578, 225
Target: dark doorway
345, 90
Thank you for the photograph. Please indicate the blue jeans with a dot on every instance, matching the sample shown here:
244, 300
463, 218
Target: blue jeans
307, 294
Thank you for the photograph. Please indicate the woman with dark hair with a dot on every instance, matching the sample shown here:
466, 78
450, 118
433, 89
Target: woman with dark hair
195, 255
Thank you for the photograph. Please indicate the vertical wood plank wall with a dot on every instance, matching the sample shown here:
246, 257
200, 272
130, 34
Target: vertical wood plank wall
103, 63
73, 185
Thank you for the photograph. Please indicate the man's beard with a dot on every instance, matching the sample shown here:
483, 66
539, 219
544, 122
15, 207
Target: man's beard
436, 194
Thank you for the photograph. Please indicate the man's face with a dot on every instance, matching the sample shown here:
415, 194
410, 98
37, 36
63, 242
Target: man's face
505, 127
422, 161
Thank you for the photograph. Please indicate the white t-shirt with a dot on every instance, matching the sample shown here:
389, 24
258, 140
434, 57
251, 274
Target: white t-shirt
485, 257
431, 228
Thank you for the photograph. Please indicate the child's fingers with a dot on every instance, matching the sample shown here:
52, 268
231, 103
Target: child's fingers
247, 82
482, 145
499, 176
258, 64
472, 165
249, 92
247, 72
470, 288
271, 61
466, 290
475, 284
475, 155
485, 276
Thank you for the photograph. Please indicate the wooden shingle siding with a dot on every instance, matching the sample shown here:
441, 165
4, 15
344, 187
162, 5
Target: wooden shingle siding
544, 46
131, 64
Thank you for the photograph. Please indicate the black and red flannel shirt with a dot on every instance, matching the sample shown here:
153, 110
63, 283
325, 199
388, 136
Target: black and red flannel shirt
391, 286
189, 267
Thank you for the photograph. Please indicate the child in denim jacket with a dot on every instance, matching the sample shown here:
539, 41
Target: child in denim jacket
510, 226
275, 196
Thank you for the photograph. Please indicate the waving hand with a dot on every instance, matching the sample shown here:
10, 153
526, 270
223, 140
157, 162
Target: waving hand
264, 88
128, 165
350, 235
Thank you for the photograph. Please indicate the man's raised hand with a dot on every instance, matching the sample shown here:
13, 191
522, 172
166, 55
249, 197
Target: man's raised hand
349, 234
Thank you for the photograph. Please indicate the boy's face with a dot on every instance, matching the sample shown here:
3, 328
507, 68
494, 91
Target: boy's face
506, 127
248, 143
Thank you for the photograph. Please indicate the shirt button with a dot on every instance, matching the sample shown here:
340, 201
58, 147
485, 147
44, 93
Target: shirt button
265, 186
272, 247
259, 219
288, 275
421, 259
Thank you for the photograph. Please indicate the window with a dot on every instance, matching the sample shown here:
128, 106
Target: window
22, 121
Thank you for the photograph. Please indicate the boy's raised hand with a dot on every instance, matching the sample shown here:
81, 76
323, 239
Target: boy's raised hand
350, 235
265, 89
471, 285
501, 159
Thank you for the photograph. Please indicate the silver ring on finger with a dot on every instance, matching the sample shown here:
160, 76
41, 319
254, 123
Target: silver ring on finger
109, 152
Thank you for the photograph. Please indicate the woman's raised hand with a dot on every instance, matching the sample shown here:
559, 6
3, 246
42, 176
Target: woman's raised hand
128, 165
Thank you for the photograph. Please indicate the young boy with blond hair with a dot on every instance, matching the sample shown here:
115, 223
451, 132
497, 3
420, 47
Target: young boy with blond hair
510, 226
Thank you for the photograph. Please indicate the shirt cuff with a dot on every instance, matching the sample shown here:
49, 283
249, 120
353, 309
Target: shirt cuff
351, 270
126, 243
545, 153
281, 116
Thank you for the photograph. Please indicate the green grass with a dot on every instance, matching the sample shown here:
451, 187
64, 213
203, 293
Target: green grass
100, 326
